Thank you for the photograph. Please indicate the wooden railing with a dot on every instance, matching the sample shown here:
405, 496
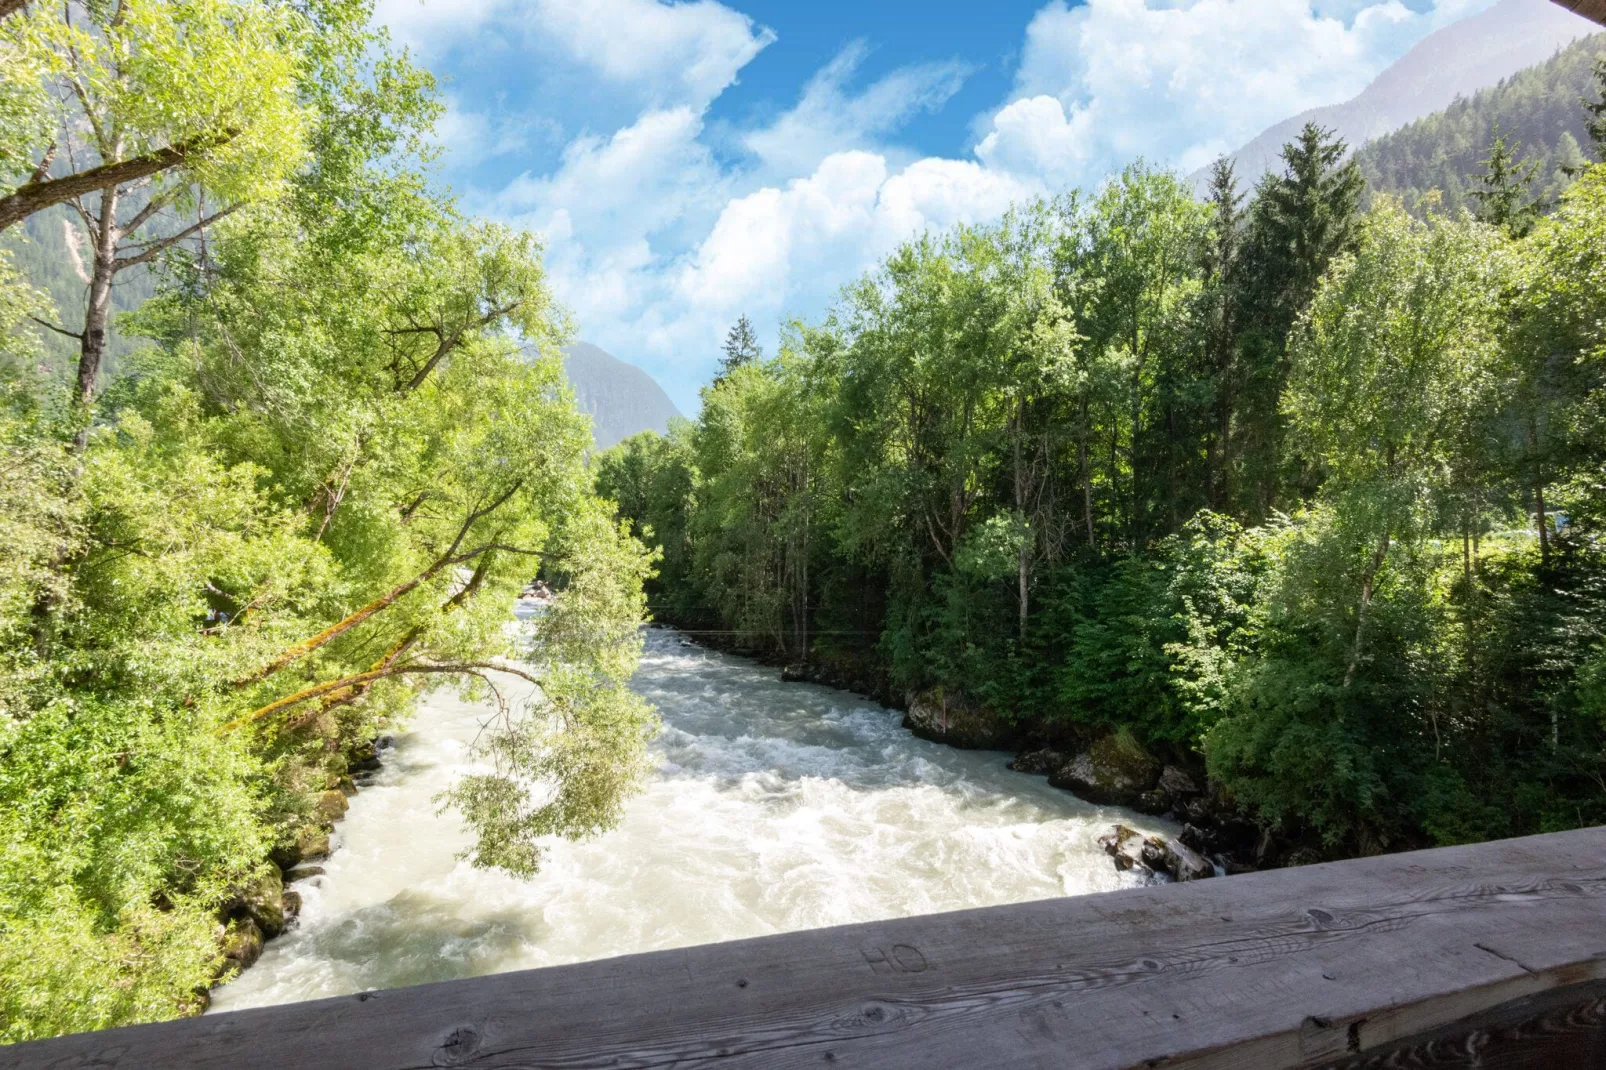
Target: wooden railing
1490, 956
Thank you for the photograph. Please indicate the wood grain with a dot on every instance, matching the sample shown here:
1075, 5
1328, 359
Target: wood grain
1301, 967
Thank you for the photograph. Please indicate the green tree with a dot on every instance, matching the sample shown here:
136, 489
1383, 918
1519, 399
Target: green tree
1502, 197
741, 347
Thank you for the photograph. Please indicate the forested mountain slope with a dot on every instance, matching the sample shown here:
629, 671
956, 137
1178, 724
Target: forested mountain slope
620, 398
1453, 62
1536, 110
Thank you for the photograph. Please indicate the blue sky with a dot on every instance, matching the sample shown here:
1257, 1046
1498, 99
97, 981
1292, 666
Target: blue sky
690, 162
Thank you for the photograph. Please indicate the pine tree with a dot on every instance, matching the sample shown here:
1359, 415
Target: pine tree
1300, 221
1502, 193
1220, 305
1597, 111
741, 347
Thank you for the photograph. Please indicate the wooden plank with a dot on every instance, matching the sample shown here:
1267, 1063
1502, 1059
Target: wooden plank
1294, 967
1562, 1028
1590, 9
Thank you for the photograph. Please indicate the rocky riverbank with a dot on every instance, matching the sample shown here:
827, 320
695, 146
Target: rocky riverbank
263, 909
1101, 766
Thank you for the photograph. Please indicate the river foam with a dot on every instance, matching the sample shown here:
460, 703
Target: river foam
776, 806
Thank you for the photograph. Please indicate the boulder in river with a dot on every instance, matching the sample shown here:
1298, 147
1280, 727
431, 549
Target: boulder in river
1125, 846
263, 902
331, 805
953, 719
1115, 770
1040, 762
1155, 854
242, 943
301, 873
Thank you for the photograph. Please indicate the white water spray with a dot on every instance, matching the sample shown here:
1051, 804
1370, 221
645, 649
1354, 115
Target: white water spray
775, 807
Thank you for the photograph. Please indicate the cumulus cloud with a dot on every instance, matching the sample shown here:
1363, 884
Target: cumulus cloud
669, 53
1180, 82
656, 243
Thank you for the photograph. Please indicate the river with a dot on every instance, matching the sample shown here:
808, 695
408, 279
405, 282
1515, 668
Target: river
776, 806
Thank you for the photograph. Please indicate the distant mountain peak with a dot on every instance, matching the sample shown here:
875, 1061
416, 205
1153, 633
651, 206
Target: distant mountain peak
1456, 61
621, 399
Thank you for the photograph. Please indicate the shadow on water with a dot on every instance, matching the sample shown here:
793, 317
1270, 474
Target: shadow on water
416, 937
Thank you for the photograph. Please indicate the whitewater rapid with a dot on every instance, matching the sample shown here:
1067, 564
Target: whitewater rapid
775, 806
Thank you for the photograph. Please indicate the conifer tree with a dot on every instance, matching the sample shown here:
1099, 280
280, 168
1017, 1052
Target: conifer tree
1300, 221
1597, 111
741, 347
1221, 311
1502, 194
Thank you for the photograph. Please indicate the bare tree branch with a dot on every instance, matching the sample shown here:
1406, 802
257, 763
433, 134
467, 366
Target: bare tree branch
156, 248
59, 330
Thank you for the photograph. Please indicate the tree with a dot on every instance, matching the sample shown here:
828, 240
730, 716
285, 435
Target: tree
1502, 196
1596, 125
1300, 221
741, 348
167, 118
1219, 304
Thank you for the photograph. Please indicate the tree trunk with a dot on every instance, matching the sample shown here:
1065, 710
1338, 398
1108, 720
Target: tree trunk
1087, 478
1539, 494
1023, 554
97, 310
1368, 586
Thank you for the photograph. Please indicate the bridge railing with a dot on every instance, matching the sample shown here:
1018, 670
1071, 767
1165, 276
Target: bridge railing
1491, 955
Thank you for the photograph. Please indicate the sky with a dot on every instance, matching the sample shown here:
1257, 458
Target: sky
687, 163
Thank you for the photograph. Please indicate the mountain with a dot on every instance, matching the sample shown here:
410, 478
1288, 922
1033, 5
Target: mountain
1456, 61
1537, 110
620, 398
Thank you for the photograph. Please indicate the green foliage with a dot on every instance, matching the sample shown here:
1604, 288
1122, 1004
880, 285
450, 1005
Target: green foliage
307, 498
1309, 494
1538, 110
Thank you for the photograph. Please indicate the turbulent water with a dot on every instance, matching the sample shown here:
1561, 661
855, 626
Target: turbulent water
776, 806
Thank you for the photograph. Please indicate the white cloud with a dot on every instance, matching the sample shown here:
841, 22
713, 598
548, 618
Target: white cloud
1180, 82
657, 244
829, 118
683, 53
671, 53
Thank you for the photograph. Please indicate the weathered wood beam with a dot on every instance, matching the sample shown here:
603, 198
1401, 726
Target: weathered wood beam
1590, 9
1329, 965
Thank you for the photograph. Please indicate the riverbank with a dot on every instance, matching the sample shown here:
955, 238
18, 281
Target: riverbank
1097, 766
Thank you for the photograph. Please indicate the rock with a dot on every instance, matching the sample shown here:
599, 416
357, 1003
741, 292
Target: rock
301, 873
312, 843
292, 904
795, 674
1175, 782
346, 786
1039, 762
1235, 866
363, 758
242, 943
1182, 862
1115, 770
1266, 849
1196, 809
1125, 846
331, 805
1302, 856
263, 902
1194, 837
1154, 803
954, 720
